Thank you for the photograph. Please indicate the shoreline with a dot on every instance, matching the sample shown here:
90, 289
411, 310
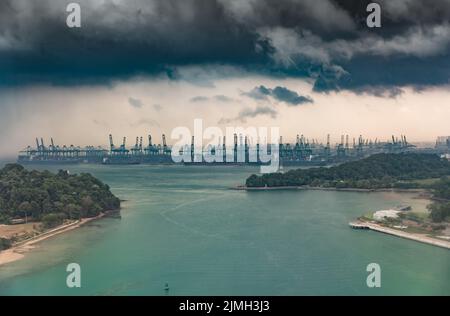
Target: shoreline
402, 234
245, 188
360, 224
18, 250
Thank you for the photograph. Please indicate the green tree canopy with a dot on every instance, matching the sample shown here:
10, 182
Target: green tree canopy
36, 194
377, 171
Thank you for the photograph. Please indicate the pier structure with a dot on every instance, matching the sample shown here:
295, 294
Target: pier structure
399, 233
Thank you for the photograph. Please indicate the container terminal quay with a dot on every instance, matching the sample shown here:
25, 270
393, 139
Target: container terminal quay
303, 152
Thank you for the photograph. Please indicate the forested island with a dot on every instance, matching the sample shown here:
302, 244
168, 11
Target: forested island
375, 172
51, 199
380, 171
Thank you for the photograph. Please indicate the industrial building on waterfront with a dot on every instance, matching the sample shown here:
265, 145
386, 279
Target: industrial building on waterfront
303, 152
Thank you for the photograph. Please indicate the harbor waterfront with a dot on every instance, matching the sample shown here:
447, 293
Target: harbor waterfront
184, 226
396, 232
240, 151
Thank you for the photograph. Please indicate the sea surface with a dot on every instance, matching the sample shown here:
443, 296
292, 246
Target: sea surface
184, 226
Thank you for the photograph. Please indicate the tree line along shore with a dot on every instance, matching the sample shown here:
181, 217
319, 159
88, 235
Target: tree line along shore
39, 201
405, 171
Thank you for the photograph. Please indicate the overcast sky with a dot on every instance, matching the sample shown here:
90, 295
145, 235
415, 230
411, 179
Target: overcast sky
137, 67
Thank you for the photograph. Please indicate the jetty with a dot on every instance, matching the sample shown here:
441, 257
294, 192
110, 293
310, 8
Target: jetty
358, 225
395, 232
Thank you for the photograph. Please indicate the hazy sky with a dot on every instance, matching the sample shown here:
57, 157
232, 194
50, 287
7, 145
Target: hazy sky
139, 67
86, 115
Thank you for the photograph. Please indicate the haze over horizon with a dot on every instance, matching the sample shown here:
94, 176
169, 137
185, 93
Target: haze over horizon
140, 67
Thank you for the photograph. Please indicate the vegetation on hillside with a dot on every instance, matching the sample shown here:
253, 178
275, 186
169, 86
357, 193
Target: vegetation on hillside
375, 172
381, 171
51, 198
440, 208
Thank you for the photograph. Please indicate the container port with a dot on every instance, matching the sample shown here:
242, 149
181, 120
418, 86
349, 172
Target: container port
303, 152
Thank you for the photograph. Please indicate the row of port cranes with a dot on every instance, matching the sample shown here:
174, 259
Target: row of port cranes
54, 152
152, 153
362, 147
443, 144
94, 154
138, 149
303, 150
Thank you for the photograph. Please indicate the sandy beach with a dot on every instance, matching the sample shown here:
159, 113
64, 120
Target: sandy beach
18, 251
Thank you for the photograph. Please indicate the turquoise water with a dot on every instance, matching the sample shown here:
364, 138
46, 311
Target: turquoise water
184, 226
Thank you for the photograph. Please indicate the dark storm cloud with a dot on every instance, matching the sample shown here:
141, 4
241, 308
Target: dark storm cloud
281, 94
135, 102
381, 92
324, 40
258, 93
289, 96
248, 113
199, 98
219, 98
223, 98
